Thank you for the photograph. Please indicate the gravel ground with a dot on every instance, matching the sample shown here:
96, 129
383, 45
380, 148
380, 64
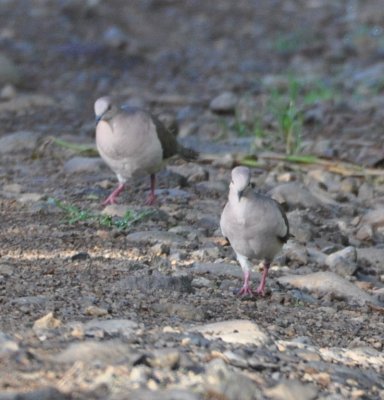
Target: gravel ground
136, 302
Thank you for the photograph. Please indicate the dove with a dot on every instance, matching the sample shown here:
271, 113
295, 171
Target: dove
255, 225
133, 143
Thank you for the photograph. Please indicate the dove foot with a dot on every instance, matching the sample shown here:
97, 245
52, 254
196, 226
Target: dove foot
111, 199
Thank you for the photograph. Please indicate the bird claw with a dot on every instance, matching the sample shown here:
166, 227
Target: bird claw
151, 199
246, 291
109, 201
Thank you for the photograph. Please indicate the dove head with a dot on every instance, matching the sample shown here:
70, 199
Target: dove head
105, 109
241, 177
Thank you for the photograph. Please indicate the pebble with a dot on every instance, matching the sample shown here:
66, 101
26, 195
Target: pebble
46, 322
183, 311
82, 164
292, 390
19, 141
153, 237
90, 351
227, 384
7, 345
95, 311
156, 281
225, 103
343, 262
112, 327
234, 331
295, 195
165, 358
322, 283
9, 72
201, 282
191, 171
217, 269
6, 269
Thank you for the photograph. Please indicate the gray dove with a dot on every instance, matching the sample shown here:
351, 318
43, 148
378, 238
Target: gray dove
133, 143
255, 225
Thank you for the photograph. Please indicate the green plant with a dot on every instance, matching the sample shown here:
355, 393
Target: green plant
74, 214
288, 118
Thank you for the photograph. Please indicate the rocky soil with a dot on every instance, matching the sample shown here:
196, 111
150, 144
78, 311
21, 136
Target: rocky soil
131, 302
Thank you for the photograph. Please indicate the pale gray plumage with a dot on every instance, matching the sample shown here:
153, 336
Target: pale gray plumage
255, 225
133, 143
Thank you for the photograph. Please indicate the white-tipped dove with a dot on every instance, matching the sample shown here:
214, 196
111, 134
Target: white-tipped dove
133, 143
255, 225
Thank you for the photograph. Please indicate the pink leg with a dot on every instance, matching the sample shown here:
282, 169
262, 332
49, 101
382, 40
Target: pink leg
261, 289
246, 289
111, 199
151, 197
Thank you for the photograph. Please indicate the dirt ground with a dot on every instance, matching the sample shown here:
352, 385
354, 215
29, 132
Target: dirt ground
160, 279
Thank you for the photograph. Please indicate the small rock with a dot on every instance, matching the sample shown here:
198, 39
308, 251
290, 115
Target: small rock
114, 37
365, 192
90, 351
201, 282
12, 188
296, 252
157, 281
8, 92
95, 311
343, 262
364, 233
292, 390
294, 195
299, 227
45, 393
191, 171
116, 210
218, 269
6, 269
225, 103
156, 237
183, 311
46, 322
212, 187
7, 345
165, 358
224, 383
328, 283
112, 327
82, 164
234, 331
30, 197
9, 72
19, 141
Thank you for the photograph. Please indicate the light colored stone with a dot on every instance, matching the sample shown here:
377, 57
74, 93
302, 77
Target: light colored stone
156, 237
95, 311
47, 322
19, 141
322, 283
7, 344
115, 210
224, 103
30, 197
291, 390
294, 195
82, 164
124, 327
234, 331
218, 269
343, 262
